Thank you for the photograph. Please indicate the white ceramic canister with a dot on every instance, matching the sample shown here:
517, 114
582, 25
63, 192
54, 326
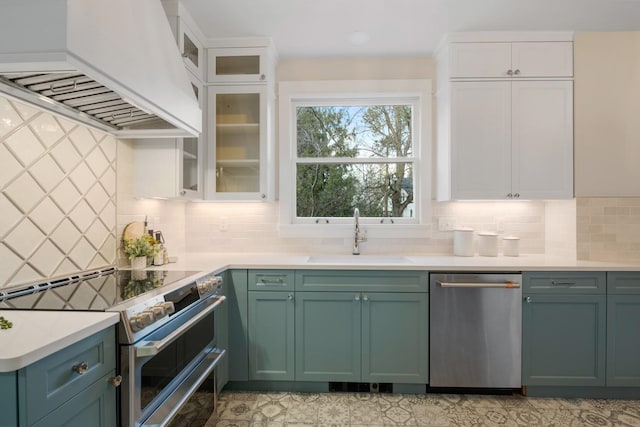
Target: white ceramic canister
487, 244
463, 241
511, 246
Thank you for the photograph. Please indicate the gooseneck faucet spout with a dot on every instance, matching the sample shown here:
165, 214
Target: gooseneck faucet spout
358, 235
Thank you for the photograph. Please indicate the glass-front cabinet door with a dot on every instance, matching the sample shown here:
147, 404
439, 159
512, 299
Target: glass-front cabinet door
237, 65
237, 129
191, 50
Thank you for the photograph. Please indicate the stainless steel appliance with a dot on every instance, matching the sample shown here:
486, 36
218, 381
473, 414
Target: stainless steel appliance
475, 330
168, 347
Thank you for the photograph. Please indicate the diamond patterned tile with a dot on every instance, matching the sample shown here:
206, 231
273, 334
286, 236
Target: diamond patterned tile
26, 111
47, 129
47, 172
66, 155
97, 198
82, 253
9, 263
24, 238
109, 147
46, 258
82, 178
46, 215
98, 135
108, 216
24, 192
66, 268
83, 140
108, 181
65, 196
66, 235
82, 216
24, 144
97, 161
98, 261
10, 117
96, 234
66, 124
25, 275
9, 166
10, 215
108, 250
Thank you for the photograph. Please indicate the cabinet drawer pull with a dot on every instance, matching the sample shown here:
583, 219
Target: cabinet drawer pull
80, 368
278, 281
555, 282
115, 381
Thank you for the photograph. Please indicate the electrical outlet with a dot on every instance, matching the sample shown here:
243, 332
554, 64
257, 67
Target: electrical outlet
446, 224
223, 226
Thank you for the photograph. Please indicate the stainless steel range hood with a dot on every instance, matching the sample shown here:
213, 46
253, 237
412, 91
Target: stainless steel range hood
113, 64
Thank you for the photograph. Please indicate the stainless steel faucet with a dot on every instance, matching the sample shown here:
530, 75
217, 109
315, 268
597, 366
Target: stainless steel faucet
357, 238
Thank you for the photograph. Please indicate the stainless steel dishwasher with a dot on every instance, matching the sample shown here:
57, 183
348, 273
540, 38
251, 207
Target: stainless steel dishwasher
475, 330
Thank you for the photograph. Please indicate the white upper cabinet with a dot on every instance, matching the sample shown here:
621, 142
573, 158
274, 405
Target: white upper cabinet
239, 65
505, 119
511, 60
188, 36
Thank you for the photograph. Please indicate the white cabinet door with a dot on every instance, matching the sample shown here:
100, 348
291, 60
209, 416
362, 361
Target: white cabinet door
469, 60
480, 140
542, 59
237, 65
542, 139
511, 60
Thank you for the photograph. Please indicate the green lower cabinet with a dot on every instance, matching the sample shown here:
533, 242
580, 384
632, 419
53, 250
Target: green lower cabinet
328, 336
564, 340
623, 340
271, 335
395, 332
95, 407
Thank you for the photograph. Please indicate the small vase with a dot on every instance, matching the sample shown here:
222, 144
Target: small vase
139, 263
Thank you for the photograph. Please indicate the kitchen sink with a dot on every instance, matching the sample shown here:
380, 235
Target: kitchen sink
359, 259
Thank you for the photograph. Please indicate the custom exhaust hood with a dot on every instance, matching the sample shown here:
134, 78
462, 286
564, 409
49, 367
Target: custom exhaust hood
112, 64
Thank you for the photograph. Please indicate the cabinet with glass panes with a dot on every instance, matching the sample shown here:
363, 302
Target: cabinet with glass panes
240, 102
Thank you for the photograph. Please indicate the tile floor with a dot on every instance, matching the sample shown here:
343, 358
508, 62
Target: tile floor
249, 409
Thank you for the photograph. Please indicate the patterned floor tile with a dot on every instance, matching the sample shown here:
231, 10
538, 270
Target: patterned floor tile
365, 413
238, 410
334, 413
303, 413
430, 415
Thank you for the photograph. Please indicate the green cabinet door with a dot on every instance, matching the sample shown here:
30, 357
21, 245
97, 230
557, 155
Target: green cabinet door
271, 335
328, 333
623, 340
238, 354
222, 334
563, 340
395, 336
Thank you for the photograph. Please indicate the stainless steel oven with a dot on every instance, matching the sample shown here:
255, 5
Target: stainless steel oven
168, 351
175, 363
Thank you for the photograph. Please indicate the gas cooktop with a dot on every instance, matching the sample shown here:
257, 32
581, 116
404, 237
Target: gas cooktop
93, 291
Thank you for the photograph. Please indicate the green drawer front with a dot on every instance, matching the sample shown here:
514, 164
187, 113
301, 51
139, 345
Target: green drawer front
362, 281
271, 280
52, 381
558, 282
623, 282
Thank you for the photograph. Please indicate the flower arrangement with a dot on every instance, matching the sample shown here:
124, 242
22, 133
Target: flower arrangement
141, 247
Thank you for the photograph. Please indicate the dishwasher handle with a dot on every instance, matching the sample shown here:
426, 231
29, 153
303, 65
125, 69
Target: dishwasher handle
479, 285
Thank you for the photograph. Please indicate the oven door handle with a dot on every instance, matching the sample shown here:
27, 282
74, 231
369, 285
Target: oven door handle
151, 348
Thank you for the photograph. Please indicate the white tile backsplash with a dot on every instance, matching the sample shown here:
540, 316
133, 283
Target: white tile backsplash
51, 192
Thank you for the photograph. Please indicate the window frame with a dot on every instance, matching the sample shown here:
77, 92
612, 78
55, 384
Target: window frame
293, 94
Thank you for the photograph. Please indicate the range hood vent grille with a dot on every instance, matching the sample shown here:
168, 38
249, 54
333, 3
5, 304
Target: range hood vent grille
78, 92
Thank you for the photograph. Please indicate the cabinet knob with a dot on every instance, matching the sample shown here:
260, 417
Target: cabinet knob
516, 72
290, 297
365, 298
528, 299
357, 298
262, 77
115, 381
509, 196
183, 192
509, 72
80, 368
264, 196
517, 195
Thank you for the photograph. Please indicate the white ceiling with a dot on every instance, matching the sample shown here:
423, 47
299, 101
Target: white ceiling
316, 28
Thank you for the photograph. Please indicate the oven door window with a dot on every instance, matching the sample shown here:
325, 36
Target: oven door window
166, 366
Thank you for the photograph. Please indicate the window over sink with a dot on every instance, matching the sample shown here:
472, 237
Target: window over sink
354, 144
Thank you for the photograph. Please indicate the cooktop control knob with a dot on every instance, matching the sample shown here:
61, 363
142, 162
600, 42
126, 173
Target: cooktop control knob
146, 318
168, 306
135, 324
158, 311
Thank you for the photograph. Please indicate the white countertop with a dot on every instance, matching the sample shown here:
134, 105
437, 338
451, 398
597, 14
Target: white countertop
37, 334
219, 262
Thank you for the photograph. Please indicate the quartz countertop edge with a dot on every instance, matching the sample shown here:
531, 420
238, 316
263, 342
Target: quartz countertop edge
217, 262
37, 334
